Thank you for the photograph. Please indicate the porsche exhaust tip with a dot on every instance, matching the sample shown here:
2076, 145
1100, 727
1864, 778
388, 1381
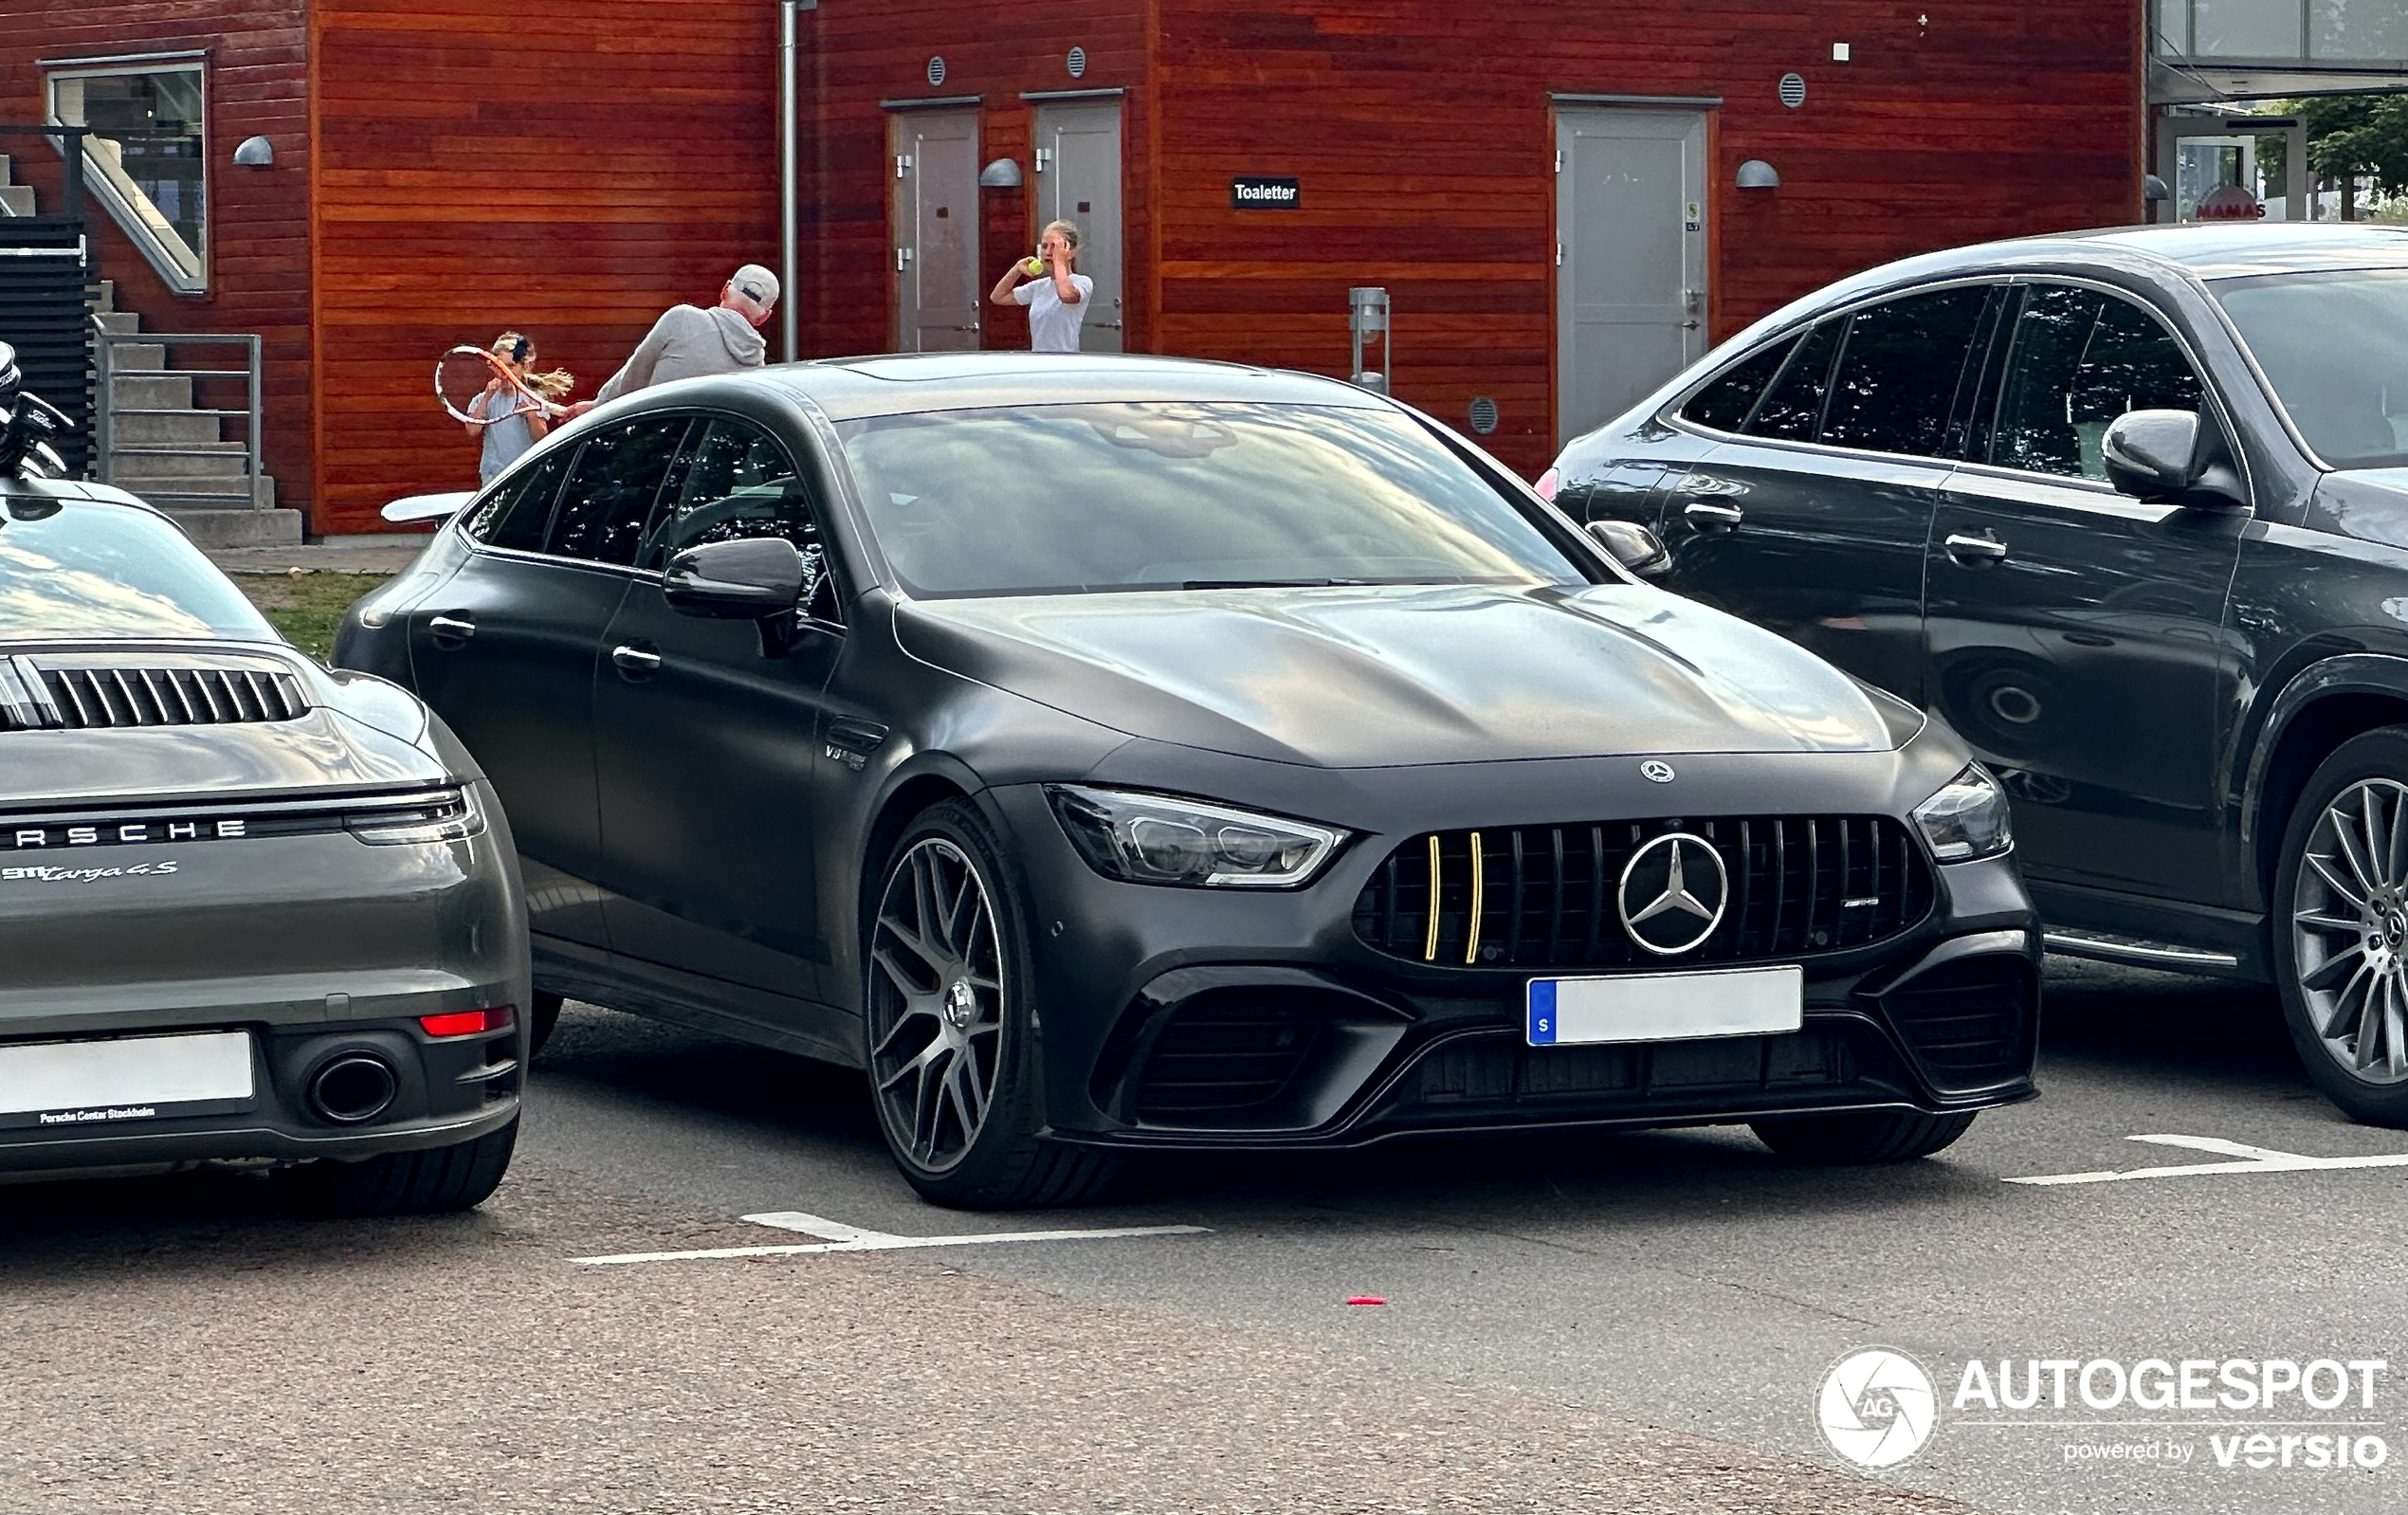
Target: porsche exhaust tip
351, 1089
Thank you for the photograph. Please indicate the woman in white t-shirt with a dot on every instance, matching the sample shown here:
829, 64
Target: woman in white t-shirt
1056, 296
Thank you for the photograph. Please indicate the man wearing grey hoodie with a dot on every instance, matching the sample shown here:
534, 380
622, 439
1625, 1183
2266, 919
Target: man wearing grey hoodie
688, 341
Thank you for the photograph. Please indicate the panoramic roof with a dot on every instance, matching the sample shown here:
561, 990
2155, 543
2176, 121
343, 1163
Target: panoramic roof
851, 388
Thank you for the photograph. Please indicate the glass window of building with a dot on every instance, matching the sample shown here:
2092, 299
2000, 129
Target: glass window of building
147, 156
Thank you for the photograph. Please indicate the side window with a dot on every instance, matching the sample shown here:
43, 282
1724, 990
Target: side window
1726, 403
738, 483
2080, 359
610, 497
1898, 375
516, 513
1792, 407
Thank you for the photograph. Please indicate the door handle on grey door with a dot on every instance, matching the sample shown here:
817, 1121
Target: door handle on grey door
635, 662
450, 630
1706, 516
1976, 552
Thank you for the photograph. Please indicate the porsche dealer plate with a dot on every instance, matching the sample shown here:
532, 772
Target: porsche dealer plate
1666, 1007
136, 1078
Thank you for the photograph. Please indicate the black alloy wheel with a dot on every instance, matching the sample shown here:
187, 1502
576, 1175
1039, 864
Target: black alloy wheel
1856, 1137
953, 1069
2339, 927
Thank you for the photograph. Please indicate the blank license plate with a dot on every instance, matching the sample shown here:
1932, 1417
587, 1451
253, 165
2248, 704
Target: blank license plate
136, 1078
1667, 1007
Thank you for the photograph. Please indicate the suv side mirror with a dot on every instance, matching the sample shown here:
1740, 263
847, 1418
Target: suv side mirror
2171, 456
1632, 545
747, 579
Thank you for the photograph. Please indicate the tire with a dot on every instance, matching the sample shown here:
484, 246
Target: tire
543, 1017
955, 1069
434, 1180
2339, 925
1859, 1137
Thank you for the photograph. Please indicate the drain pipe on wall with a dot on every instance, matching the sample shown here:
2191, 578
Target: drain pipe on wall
789, 165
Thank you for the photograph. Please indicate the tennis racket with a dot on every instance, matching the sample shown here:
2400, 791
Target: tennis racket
462, 376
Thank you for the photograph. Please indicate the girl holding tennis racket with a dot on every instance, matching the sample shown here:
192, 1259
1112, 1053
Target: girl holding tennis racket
514, 407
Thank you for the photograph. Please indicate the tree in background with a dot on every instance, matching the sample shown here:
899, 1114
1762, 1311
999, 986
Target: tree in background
2355, 137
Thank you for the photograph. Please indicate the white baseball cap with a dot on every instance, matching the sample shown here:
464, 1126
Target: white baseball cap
755, 283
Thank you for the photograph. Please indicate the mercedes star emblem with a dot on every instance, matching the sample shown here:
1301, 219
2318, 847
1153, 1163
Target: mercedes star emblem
1673, 893
1655, 770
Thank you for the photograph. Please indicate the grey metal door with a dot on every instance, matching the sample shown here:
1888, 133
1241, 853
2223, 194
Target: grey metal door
1631, 256
936, 221
1079, 181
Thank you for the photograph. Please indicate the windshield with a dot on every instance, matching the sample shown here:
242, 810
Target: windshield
2335, 345
71, 569
1057, 499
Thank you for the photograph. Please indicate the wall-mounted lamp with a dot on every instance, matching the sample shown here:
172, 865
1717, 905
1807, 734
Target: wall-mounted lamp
1003, 173
2153, 187
1758, 174
256, 152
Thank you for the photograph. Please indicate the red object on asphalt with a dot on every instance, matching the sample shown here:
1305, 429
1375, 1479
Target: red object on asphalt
1366, 1299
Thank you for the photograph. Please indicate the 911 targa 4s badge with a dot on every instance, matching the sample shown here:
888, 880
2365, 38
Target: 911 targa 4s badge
249, 909
1129, 756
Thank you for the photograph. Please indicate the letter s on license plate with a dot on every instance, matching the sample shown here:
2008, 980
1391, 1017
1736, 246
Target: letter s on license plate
1666, 1007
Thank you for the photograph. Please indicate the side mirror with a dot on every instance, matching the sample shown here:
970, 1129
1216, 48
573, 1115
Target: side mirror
1632, 545
2171, 456
744, 581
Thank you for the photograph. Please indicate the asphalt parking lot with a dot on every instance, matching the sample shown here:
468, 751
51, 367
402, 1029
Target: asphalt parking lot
1628, 1323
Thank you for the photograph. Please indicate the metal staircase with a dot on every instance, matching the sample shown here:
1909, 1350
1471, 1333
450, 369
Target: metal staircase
159, 430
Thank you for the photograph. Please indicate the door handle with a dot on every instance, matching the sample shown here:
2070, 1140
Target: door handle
635, 663
1976, 552
1706, 516
450, 630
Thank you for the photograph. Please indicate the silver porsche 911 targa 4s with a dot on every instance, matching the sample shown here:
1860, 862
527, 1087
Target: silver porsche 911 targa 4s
250, 910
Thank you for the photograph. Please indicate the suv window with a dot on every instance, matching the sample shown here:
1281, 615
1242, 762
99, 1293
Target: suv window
1793, 408
1897, 379
1726, 403
518, 510
736, 483
2081, 358
608, 500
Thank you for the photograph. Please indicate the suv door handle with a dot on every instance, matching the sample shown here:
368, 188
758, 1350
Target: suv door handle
635, 663
450, 630
1709, 517
1976, 552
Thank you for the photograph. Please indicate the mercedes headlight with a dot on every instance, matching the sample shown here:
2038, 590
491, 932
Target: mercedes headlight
1164, 839
1967, 819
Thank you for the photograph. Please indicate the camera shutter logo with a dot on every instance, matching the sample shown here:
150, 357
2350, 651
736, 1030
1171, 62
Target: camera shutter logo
1672, 894
1877, 1407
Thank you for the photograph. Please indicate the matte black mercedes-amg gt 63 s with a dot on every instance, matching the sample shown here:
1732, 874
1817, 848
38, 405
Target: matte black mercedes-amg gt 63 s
2129, 510
1125, 754
250, 911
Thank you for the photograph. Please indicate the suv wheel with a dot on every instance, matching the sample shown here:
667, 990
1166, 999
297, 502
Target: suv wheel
2341, 927
429, 1181
1861, 1136
954, 1065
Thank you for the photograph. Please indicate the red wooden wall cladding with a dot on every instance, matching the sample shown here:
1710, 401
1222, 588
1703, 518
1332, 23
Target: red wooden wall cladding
258, 61
566, 168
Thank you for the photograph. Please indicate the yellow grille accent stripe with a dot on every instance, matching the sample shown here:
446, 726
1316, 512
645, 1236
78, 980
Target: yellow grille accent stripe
1429, 948
1472, 947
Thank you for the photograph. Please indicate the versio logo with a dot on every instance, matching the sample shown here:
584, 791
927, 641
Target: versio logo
1877, 1407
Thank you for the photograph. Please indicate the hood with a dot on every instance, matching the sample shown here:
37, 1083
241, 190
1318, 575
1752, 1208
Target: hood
357, 734
1394, 676
744, 345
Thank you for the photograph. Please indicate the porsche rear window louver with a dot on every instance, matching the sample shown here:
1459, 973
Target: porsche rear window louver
82, 699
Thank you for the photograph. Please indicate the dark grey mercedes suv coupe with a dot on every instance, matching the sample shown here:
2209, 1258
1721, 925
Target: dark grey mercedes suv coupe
250, 911
1113, 755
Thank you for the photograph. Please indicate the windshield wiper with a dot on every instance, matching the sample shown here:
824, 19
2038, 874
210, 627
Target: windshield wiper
1273, 583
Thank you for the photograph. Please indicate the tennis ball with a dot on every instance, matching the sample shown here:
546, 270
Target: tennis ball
1032, 267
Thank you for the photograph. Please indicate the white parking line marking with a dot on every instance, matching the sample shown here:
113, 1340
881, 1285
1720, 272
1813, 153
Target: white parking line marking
2249, 1159
838, 1237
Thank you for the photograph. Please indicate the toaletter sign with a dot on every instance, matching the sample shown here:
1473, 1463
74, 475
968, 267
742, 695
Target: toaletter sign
1255, 192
